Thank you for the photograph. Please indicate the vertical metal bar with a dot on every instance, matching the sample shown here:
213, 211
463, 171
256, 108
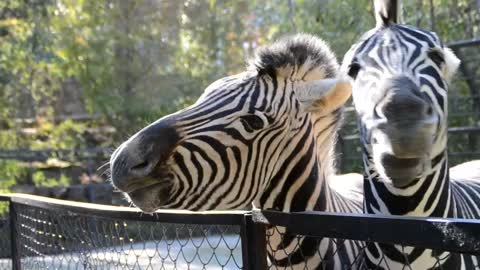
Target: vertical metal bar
13, 237
254, 245
244, 241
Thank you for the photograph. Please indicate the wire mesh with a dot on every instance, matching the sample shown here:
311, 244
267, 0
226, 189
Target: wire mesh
288, 250
345, 254
50, 239
5, 247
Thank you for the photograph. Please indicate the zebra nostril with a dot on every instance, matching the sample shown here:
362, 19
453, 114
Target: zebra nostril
140, 167
429, 111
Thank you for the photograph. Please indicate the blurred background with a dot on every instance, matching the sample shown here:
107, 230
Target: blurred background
79, 77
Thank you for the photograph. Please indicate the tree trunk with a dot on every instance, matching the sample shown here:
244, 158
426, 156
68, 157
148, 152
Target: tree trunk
213, 34
291, 15
419, 12
432, 16
124, 52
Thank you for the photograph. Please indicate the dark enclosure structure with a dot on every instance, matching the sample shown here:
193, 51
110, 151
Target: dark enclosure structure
42, 233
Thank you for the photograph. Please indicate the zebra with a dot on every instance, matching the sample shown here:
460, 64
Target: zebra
264, 137
400, 78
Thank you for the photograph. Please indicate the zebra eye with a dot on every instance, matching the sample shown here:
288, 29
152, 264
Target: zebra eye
252, 122
353, 70
437, 57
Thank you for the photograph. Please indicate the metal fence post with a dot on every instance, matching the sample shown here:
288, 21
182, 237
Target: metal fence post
254, 245
13, 237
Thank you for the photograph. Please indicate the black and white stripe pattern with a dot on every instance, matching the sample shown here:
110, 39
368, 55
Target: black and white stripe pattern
263, 137
389, 50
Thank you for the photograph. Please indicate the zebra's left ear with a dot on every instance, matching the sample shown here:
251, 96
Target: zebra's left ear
451, 63
324, 96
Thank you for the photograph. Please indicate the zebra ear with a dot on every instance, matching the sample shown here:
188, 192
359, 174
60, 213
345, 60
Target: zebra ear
324, 96
451, 63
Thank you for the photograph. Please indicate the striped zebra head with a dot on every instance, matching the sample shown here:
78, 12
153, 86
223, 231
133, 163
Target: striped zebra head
400, 75
243, 136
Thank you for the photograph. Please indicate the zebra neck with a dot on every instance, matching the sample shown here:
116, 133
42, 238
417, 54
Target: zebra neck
427, 196
300, 184
300, 187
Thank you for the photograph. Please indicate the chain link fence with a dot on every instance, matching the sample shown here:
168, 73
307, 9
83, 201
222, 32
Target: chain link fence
378, 260
56, 234
49, 235
299, 240
5, 244
281, 243
65, 240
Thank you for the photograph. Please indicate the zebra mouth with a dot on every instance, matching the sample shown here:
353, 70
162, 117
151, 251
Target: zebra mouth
400, 163
402, 171
151, 197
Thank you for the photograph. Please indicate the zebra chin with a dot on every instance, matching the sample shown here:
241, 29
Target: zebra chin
402, 154
150, 198
401, 172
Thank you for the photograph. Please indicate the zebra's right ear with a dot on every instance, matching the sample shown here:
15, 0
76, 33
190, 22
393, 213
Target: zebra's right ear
451, 64
324, 96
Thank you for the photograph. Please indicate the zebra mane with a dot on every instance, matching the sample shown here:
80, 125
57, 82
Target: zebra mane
298, 57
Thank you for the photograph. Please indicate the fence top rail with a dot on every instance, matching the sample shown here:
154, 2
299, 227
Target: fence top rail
448, 234
466, 129
128, 213
463, 43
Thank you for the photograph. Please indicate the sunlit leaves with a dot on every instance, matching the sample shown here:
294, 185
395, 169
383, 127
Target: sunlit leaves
133, 58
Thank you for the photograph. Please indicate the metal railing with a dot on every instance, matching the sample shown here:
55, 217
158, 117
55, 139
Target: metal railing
55, 234
45, 233
373, 232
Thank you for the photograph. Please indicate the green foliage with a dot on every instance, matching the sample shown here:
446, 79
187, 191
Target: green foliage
133, 61
132, 57
66, 135
8, 140
9, 172
40, 180
28, 69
